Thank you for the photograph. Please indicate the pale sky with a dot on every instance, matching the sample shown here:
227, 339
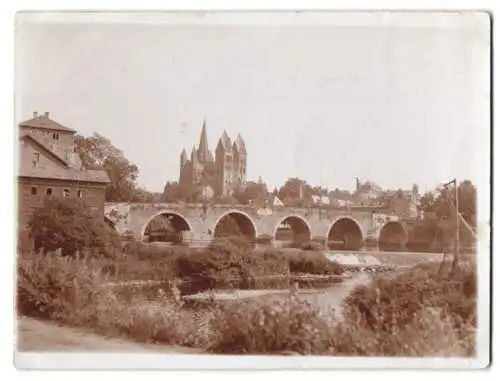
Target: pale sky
387, 100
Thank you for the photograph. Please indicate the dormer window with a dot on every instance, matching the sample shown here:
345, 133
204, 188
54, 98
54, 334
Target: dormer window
55, 135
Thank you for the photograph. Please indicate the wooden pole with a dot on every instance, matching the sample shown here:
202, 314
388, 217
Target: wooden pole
457, 230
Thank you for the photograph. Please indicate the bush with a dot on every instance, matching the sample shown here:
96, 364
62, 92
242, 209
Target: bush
389, 304
55, 287
397, 320
72, 291
24, 241
415, 313
68, 224
313, 262
257, 328
313, 246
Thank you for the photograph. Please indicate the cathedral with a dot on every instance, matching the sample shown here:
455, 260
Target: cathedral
223, 172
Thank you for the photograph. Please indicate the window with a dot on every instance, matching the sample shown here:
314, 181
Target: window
36, 158
49, 191
33, 190
55, 135
66, 192
79, 193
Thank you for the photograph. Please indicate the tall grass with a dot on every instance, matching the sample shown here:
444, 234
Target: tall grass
412, 313
73, 291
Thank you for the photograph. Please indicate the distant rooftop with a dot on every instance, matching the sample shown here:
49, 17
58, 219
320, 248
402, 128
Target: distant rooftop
44, 122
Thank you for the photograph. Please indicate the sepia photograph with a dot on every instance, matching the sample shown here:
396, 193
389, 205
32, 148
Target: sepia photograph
280, 189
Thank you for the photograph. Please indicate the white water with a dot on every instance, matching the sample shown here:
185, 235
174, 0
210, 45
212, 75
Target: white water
352, 259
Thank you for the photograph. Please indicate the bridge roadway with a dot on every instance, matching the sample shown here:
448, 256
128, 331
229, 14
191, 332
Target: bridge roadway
202, 222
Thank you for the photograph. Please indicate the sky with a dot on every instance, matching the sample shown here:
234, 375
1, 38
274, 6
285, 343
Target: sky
395, 99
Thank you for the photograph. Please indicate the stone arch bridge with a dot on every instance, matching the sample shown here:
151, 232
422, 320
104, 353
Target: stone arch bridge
198, 224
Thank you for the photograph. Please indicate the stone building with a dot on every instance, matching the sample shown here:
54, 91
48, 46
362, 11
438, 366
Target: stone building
403, 203
224, 172
48, 166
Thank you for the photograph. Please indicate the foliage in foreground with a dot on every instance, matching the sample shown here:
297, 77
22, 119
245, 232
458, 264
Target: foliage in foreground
70, 225
408, 316
392, 316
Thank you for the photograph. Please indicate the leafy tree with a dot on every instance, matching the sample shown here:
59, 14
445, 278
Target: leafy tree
97, 152
251, 192
70, 225
173, 192
292, 189
427, 202
341, 194
442, 205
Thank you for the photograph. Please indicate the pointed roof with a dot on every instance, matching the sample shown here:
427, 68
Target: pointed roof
240, 144
225, 141
203, 151
44, 122
193, 153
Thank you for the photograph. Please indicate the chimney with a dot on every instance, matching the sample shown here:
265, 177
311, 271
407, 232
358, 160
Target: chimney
35, 114
47, 114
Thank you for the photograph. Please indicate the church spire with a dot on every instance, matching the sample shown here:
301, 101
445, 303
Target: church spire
203, 151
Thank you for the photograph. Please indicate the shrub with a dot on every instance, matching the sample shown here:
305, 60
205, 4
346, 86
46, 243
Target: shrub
222, 262
68, 224
313, 262
390, 303
56, 287
24, 241
257, 328
313, 246
71, 291
264, 239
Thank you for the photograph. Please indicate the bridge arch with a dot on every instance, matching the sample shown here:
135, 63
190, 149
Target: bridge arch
392, 236
177, 221
292, 228
344, 233
245, 225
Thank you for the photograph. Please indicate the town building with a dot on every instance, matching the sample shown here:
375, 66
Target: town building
48, 166
224, 172
403, 203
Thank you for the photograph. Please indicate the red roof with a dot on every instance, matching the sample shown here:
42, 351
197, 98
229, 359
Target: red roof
44, 122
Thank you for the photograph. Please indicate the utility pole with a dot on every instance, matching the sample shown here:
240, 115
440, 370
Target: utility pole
454, 209
457, 229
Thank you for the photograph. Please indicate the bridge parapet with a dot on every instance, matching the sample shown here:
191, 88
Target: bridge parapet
202, 219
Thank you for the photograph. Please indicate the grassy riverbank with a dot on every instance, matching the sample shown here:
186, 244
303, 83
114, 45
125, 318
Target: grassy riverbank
417, 312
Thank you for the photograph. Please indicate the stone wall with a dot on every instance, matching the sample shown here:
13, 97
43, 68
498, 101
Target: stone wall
203, 219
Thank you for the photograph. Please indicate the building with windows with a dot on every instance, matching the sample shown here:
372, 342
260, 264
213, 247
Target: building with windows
48, 166
224, 172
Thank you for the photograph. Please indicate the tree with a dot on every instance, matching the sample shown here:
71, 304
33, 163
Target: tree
292, 189
173, 192
97, 152
251, 192
426, 203
70, 225
442, 207
340, 194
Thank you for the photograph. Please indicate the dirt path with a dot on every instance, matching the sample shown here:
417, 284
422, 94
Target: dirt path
40, 336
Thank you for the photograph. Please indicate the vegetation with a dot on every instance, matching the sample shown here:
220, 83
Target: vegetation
68, 224
312, 262
413, 313
98, 152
